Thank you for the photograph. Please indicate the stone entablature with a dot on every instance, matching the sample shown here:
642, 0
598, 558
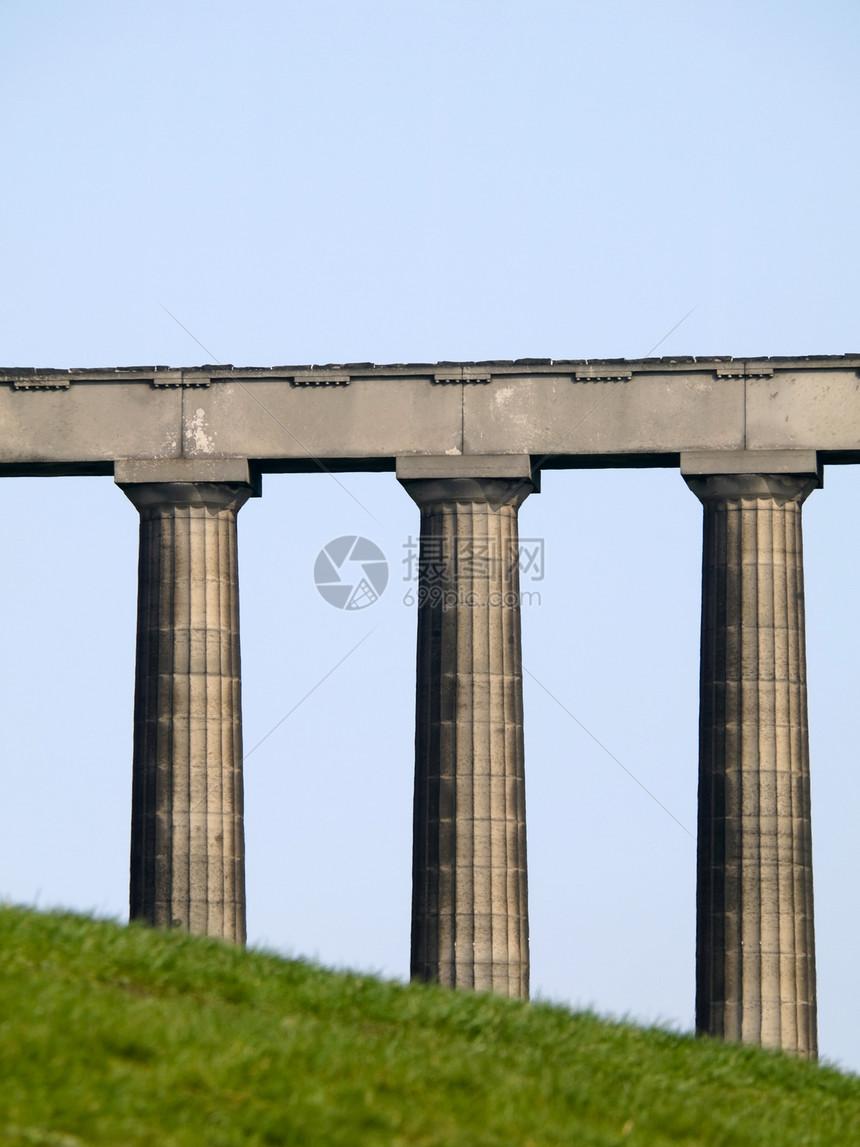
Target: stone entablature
361, 416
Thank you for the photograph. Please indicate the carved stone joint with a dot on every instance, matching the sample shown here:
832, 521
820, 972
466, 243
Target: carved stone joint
177, 380
462, 374
41, 383
320, 378
744, 370
602, 375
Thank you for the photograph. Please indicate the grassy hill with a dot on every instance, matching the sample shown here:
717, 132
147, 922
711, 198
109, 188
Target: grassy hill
112, 1035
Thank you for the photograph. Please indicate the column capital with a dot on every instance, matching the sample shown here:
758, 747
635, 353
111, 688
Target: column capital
496, 479
781, 488
493, 492
148, 496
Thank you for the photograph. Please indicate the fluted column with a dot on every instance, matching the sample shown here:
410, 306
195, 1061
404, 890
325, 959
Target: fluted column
755, 944
187, 842
469, 900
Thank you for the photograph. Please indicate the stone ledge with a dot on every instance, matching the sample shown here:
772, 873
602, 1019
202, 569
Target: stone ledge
411, 466
135, 471
749, 462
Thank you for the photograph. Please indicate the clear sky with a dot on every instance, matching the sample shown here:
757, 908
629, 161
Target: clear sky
351, 180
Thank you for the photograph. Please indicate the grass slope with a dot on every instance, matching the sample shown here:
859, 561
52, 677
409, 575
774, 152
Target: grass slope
112, 1035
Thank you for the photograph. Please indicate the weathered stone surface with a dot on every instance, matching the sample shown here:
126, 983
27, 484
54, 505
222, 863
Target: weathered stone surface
755, 958
799, 408
187, 843
469, 905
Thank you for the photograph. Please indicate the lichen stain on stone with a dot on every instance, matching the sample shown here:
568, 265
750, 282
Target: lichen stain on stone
503, 394
198, 440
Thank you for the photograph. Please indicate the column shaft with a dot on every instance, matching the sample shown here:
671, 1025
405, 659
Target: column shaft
469, 908
755, 943
187, 845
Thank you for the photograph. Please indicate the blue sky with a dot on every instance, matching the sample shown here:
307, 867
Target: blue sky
346, 181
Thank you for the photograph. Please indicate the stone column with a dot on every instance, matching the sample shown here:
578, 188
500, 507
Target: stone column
187, 843
755, 951
469, 898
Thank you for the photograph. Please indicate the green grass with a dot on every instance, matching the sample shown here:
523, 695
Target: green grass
112, 1035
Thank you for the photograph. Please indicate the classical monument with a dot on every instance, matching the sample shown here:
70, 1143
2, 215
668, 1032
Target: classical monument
468, 442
